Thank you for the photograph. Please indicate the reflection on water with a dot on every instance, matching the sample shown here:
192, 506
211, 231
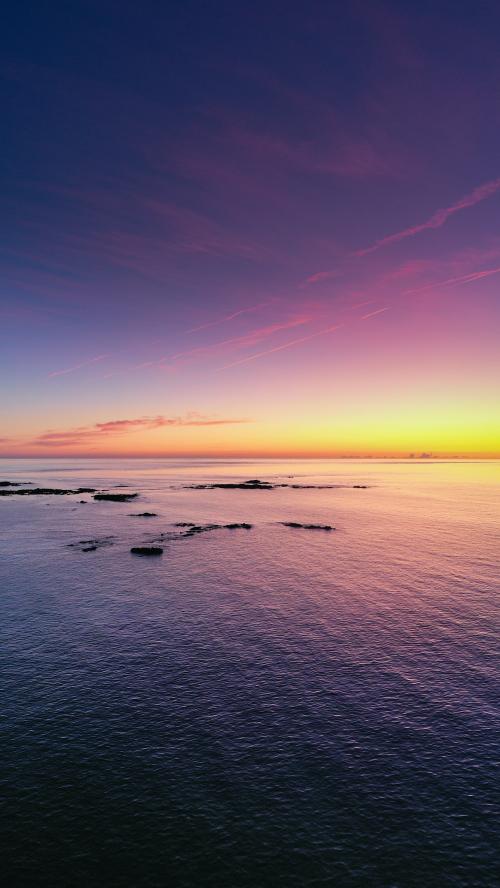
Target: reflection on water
257, 707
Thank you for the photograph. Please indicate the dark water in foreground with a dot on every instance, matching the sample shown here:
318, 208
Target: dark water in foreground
271, 707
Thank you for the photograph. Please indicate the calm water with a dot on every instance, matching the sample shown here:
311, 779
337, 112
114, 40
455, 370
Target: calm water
271, 707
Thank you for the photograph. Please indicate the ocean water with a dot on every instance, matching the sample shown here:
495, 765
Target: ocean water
265, 707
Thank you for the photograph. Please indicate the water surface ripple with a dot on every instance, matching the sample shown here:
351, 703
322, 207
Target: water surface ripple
265, 707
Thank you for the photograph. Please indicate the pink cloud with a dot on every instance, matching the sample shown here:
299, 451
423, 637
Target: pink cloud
438, 218
117, 427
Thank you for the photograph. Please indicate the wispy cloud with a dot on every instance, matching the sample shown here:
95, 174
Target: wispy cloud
77, 366
234, 343
372, 314
281, 347
464, 279
229, 317
438, 218
320, 276
116, 427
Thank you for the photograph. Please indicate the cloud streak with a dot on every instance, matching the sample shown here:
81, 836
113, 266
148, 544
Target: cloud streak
320, 276
277, 348
77, 366
229, 317
371, 314
234, 343
438, 218
117, 427
464, 279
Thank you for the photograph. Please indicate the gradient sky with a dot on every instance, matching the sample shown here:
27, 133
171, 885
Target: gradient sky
250, 229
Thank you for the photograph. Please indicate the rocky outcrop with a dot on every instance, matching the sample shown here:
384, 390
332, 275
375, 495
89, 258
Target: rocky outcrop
146, 550
93, 544
115, 497
298, 525
47, 491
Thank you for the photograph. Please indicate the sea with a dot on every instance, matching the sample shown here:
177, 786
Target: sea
263, 707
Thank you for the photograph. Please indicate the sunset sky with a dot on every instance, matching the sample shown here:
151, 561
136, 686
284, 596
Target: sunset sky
250, 229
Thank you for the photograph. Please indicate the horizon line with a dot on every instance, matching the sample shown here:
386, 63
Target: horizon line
436, 457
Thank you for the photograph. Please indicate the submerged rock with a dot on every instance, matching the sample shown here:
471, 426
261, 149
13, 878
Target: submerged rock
297, 524
193, 529
115, 497
146, 550
144, 515
200, 528
92, 545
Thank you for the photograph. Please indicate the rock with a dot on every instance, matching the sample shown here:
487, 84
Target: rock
297, 524
115, 497
146, 550
91, 545
201, 528
47, 491
254, 484
193, 529
360, 486
14, 483
144, 515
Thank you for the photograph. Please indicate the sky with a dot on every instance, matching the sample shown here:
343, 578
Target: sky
250, 229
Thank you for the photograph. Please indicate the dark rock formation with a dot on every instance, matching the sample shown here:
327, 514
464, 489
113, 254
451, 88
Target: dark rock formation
254, 484
193, 529
297, 524
46, 491
14, 483
115, 497
144, 515
146, 550
200, 528
92, 545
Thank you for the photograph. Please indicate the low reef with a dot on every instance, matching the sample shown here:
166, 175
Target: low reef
47, 491
146, 550
255, 484
297, 525
115, 497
